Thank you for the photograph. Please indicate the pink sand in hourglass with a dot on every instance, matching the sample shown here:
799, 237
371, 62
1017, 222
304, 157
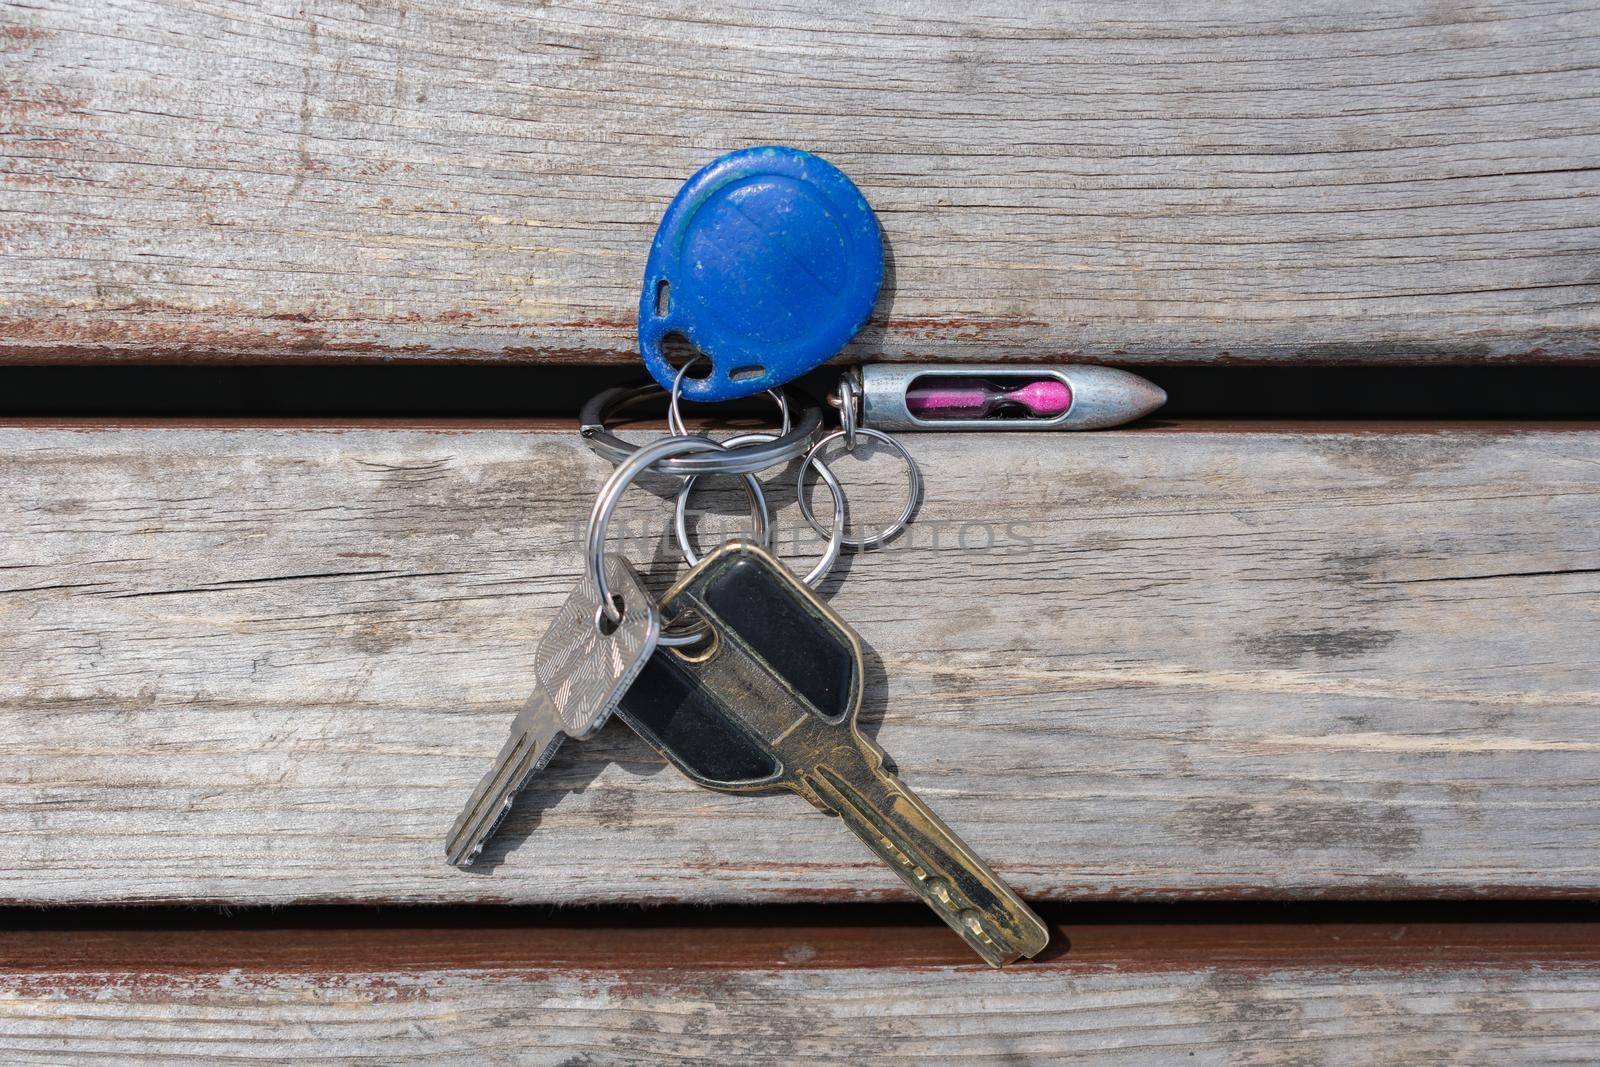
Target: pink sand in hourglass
974, 398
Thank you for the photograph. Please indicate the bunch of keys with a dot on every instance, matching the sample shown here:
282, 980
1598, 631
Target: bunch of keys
767, 261
757, 692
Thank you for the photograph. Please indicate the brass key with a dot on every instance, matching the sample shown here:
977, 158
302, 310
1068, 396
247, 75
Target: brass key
769, 703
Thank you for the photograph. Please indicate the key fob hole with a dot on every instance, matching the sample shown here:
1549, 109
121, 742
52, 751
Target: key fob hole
604, 625
680, 352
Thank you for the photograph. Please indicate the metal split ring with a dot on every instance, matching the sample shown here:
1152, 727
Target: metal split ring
743, 459
676, 426
830, 555
849, 411
913, 497
611, 493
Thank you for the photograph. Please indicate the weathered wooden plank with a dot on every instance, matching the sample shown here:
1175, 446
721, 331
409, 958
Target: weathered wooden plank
547, 998
1299, 1018
268, 664
342, 180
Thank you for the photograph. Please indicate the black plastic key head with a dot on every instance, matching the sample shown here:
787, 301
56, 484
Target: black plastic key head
769, 703
772, 657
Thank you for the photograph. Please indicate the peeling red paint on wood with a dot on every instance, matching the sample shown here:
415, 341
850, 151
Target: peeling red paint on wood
39, 100
1437, 228
24, 33
957, 327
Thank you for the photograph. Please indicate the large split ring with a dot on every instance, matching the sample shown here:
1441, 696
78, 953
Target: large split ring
913, 496
611, 493
743, 459
835, 534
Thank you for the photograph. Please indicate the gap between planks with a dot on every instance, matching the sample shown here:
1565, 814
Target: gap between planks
1241, 937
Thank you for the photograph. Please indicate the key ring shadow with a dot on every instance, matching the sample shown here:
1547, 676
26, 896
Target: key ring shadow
796, 543
874, 698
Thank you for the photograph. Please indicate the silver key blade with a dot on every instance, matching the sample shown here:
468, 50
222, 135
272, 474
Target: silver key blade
581, 672
535, 736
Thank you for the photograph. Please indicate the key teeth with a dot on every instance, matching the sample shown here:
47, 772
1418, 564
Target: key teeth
455, 859
523, 754
482, 839
1028, 939
453, 853
997, 943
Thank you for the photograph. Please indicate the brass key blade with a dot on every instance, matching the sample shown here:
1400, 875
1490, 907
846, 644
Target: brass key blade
844, 775
938, 866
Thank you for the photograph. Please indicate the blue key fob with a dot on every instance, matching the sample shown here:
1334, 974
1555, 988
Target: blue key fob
767, 261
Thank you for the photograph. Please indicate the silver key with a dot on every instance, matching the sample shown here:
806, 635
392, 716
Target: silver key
580, 671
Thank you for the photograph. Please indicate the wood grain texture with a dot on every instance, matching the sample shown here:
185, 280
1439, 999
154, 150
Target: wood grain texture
269, 665
1302, 1018
1128, 182
785, 995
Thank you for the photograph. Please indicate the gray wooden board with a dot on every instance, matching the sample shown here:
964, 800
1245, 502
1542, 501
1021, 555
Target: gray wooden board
1298, 1017
1118, 181
269, 665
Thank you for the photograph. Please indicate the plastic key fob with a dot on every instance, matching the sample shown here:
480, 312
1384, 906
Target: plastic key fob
767, 261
